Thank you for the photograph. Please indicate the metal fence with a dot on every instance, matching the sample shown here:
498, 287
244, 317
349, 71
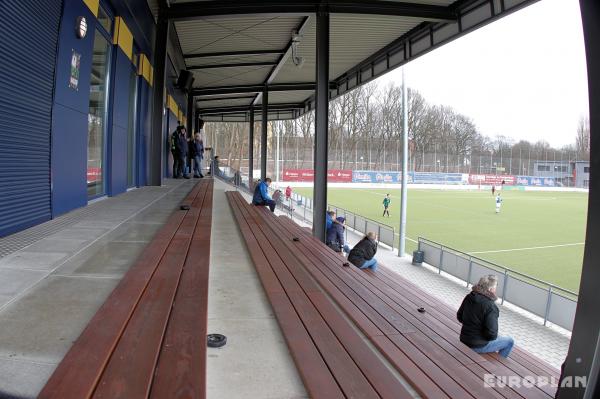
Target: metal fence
385, 233
541, 298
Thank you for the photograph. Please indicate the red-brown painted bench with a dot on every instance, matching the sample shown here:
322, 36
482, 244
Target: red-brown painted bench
423, 347
149, 337
333, 359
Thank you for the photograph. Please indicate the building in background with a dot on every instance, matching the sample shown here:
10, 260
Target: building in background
568, 174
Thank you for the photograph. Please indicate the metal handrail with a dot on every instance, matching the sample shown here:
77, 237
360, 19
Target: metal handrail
503, 269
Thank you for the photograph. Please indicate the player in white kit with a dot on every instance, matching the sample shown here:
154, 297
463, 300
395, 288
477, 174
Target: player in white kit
498, 203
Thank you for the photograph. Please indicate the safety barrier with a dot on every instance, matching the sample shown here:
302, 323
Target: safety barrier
554, 304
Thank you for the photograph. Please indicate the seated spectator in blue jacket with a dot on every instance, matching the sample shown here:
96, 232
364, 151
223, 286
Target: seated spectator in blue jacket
329, 216
261, 195
335, 236
363, 253
478, 315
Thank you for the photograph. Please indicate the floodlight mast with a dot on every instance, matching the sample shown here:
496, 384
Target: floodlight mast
401, 246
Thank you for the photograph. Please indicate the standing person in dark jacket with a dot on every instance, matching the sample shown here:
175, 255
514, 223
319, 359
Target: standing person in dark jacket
182, 152
479, 317
261, 195
363, 253
197, 154
175, 152
335, 236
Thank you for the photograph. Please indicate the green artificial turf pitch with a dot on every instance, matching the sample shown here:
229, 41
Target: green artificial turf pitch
537, 233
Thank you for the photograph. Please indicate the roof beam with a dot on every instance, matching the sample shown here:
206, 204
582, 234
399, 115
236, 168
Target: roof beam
246, 108
232, 65
199, 9
225, 98
302, 86
234, 54
283, 59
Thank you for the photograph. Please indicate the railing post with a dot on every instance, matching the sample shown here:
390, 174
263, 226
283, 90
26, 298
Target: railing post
378, 232
441, 260
470, 270
548, 303
504, 286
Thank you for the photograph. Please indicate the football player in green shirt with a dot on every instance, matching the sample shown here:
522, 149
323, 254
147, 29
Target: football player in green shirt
386, 205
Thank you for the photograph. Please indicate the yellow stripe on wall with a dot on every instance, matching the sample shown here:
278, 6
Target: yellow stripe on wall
123, 37
93, 6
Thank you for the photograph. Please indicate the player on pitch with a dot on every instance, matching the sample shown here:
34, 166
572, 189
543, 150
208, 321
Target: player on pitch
498, 203
386, 204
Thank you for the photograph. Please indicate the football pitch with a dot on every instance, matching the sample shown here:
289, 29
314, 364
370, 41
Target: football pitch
537, 233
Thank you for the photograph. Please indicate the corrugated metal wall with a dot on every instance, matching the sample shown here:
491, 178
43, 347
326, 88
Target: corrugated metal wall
29, 34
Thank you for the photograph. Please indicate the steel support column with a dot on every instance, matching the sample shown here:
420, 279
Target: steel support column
583, 359
263, 133
155, 171
321, 126
251, 150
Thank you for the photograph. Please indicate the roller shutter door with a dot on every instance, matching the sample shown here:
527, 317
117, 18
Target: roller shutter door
28, 44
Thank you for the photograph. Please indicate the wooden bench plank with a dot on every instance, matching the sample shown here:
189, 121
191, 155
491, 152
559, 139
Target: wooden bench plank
317, 378
129, 372
77, 374
348, 375
453, 389
516, 367
181, 368
462, 377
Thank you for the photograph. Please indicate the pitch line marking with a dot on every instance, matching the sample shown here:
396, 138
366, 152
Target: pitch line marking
527, 249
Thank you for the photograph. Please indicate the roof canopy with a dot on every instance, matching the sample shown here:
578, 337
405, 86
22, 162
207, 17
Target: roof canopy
236, 48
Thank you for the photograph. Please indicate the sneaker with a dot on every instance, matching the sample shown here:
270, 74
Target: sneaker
186, 176
196, 177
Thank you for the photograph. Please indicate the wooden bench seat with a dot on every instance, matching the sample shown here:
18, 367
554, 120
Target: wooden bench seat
424, 347
442, 319
334, 361
149, 337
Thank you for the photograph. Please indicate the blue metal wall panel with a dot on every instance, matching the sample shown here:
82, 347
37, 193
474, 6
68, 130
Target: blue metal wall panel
70, 113
117, 182
26, 91
69, 159
145, 104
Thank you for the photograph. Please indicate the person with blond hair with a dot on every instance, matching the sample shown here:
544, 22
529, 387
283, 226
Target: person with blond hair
363, 253
478, 315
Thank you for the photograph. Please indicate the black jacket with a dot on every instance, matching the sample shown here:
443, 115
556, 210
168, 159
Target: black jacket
363, 251
479, 317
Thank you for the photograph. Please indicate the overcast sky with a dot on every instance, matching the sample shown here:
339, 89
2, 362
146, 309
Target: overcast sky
523, 76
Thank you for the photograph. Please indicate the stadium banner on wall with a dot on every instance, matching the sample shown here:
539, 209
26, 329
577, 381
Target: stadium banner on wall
536, 181
371, 176
308, 175
493, 179
438, 178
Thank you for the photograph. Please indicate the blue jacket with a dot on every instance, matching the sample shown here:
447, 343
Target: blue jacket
335, 234
197, 148
261, 194
328, 221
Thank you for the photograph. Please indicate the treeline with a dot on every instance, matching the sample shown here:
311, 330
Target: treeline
365, 132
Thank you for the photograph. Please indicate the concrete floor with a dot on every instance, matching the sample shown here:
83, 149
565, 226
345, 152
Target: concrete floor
256, 362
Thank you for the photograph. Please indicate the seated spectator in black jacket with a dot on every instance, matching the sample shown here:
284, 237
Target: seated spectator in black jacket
335, 236
479, 317
363, 253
